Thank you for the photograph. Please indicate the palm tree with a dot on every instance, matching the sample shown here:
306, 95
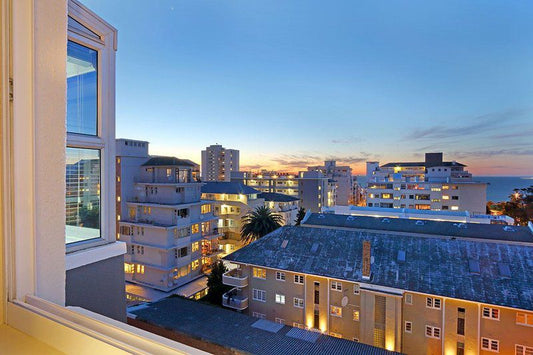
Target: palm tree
300, 216
259, 223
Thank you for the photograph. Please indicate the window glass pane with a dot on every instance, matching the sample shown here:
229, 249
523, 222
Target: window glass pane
83, 194
82, 89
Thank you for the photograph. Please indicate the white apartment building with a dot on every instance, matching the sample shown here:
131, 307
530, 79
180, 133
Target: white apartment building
286, 206
169, 231
218, 163
433, 184
345, 183
314, 189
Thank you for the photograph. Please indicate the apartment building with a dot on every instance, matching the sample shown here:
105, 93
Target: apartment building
218, 163
413, 286
345, 183
286, 206
231, 201
433, 184
410, 213
169, 231
313, 188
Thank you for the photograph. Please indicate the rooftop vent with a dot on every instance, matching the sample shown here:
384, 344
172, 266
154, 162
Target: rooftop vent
321, 216
420, 223
509, 229
350, 218
284, 244
461, 225
314, 248
504, 269
401, 255
473, 266
385, 220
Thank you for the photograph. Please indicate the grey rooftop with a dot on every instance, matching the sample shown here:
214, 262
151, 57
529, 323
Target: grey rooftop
230, 188
483, 271
277, 197
168, 161
241, 332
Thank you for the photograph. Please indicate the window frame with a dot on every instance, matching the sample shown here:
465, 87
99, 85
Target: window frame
280, 276
296, 302
297, 278
490, 342
491, 311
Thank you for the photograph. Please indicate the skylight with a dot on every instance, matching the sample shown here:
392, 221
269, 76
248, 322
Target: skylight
473, 265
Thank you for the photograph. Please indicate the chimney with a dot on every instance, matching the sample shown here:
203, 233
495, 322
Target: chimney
433, 159
366, 260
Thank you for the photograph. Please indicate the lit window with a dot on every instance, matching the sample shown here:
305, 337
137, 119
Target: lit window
195, 246
259, 273
128, 268
336, 335
280, 298
195, 228
524, 318
140, 269
454, 208
335, 311
356, 315
490, 344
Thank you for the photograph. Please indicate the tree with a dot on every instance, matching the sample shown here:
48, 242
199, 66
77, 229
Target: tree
300, 216
519, 206
259, 223
214, 283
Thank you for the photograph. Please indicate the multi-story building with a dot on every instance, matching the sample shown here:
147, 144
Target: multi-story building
313, 188
345, 184
286, 206
413, 286
449, 216
170, 232
433, 184
231, 201
218, 163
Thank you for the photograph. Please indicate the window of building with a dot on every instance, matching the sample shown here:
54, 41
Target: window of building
335, 311
317, 292
299, 279
206, 208
408, 327
195, 228
460, 348
491, 313
280, 320
140, 249
432, 332
356, 289
195, 246
298, 325
408, 298
433, 303
356, 315
280, 298
259, 273
336, 335
523, 350
336, 285
524, 318
129, 268
490, 344
280, 276
140, 269
195, 264
259, 295
258, 315
461, 321
455, 197
298, 302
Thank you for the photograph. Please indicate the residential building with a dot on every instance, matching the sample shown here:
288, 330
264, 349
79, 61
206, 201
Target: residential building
218, 163
286, 206
345, 183
449, 216
231, 201
169, 231
433, 184
61, 281
313, 188
413, 286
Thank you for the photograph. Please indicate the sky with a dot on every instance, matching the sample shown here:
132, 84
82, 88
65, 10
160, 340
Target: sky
292, 83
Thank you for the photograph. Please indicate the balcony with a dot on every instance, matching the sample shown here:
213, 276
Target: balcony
235, 299
235, 278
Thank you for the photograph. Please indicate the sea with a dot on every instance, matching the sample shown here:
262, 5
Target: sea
499, 187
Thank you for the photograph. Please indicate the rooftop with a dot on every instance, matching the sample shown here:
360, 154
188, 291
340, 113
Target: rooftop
275, 197
438, 266
241, 332
231, 188
419, 164
168, 161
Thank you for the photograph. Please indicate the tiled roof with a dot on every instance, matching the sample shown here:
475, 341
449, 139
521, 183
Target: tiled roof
234, 330
275, 197
233, 188
168, 161
433, 265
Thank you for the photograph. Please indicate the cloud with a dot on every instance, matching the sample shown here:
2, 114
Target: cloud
493, 153
348, 140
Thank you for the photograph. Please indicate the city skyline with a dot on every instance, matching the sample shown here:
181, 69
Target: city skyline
290, 86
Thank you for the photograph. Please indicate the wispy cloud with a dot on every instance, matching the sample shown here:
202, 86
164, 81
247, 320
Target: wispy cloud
492, 153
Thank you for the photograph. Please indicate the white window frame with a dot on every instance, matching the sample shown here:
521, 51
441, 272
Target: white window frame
280, 321
433, 330
356, 289
297, 301
280, 298
521, 349
431, 302
258, 315
410, 330
526, 317
259, 292
280, 276
336, 286
408, 298
490, 342
297, 279
491, 311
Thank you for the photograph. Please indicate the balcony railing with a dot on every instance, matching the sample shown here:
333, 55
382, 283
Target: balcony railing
235, 278
235, 299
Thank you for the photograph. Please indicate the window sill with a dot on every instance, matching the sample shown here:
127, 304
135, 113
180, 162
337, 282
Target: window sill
92, 255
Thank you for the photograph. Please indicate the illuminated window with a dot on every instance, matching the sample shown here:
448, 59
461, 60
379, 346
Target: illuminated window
259, 273
195, 228
454, 208
490, 344
524, 318
356, 315
491, 313
445, 197
280, 298
140, 269
335, 311
206, 208
195, 247
336, 335
128, 268
195, 264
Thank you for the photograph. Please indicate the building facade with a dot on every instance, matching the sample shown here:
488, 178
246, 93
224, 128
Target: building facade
286, 206
398, 284
231, 201
218, 163
170, 233
345, 183
433, 184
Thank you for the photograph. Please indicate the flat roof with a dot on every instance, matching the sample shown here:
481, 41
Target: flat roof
431, 265
238, 331
168, 161
277, 197
230, 188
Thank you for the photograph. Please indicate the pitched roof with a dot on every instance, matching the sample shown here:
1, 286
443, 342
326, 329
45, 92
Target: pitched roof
440, 228
432, 265
275, 197
223, 187
168, 161
420, 163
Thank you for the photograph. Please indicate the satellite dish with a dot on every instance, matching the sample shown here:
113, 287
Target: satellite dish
344, 301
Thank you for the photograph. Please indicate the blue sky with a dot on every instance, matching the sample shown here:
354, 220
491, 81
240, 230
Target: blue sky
291, 83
